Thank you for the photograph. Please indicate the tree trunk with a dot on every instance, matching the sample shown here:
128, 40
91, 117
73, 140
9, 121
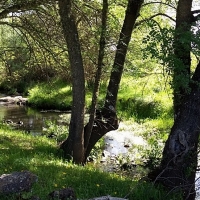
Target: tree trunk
182, 48
110, 121
179, 162
102, 44
74, 146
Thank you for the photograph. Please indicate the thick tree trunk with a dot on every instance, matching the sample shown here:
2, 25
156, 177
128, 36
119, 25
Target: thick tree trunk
179, 162
182, 47
74, 146
110, 122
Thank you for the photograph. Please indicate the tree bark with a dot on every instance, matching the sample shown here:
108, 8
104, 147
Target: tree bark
132, 12
102, 44
74, 146
179, 162
182, 49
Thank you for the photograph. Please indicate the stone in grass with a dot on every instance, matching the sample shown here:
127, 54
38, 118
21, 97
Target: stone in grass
107, 198
16, 182
63, 194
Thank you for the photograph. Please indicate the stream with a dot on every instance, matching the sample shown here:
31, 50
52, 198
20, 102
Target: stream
30, 120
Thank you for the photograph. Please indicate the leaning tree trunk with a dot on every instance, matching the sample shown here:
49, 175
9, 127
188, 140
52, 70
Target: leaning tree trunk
102, 45
74, 145
110, 121
179, 162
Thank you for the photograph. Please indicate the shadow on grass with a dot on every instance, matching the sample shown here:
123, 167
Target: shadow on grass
40, 156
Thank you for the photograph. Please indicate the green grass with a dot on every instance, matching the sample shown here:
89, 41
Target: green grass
140, 99
40, 155
52, 95
144, 98
143, 101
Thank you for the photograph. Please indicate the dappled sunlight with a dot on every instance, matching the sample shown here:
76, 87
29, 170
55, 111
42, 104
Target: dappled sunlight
53, 172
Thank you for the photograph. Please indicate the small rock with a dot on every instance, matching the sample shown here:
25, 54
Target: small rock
105, 153
126, 145
66, 193
16, 182
107, 198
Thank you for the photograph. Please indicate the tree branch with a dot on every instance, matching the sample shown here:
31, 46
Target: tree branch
155, 2
158, 14
195, 11
21, 7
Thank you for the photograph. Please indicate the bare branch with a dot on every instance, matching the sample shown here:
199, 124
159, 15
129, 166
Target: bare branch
155, 2
21, 7
153, 16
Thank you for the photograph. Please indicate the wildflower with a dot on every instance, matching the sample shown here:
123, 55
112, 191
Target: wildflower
98, 185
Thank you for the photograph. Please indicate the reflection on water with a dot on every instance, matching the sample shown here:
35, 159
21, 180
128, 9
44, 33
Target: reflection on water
33, 120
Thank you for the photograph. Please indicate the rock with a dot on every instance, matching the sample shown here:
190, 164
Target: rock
127, 166
13, 100
107, 198
105, 153
16, 182
63, 194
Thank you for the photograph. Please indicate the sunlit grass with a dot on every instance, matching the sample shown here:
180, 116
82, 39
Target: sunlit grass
54, 95
40, 155
138, 98
143, 98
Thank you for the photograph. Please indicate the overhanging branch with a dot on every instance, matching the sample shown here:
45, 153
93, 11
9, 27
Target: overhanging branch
153, 16
155, 2
22, 7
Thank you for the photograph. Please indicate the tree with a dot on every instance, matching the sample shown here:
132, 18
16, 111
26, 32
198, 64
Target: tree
110, 121
182, 60
179, 162
36, 32
75, 142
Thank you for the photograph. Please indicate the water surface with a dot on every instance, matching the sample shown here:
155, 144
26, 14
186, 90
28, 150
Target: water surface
31, 120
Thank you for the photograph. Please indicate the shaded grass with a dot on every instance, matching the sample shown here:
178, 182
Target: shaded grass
40, 155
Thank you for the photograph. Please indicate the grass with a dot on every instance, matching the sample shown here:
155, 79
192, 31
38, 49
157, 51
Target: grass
40, 155
52, 95
139, 99
142, 102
